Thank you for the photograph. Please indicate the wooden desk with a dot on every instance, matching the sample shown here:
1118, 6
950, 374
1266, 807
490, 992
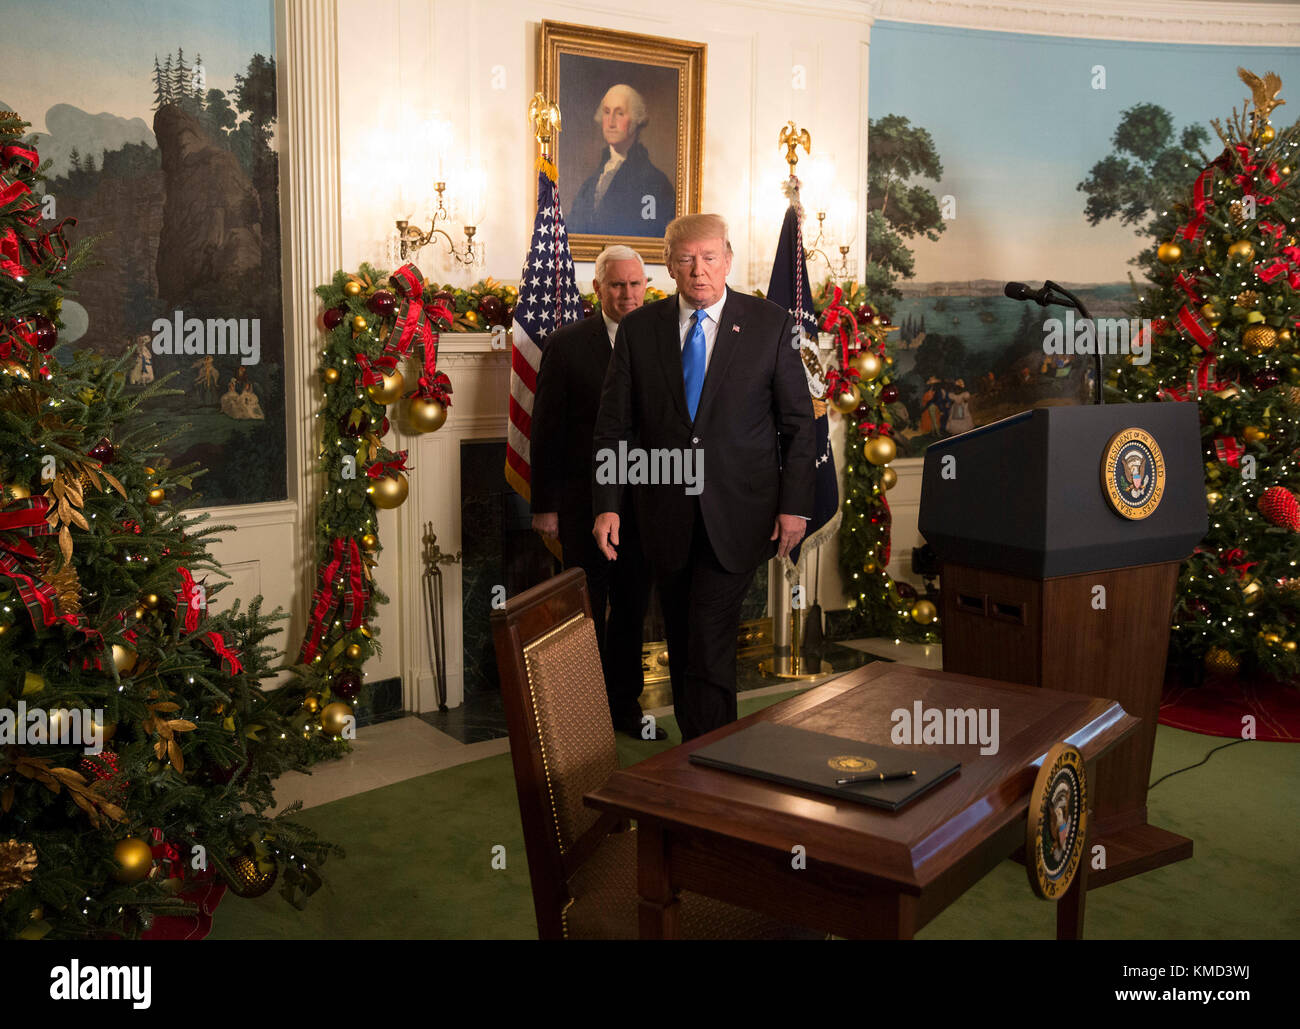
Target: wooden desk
870, 873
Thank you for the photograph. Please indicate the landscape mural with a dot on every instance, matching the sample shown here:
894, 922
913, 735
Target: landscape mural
158, 120
975, 181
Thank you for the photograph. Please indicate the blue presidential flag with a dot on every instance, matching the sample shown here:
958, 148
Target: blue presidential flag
791, 289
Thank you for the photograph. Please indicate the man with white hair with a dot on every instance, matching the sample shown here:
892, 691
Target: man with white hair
626, 195
564, 417
716, 373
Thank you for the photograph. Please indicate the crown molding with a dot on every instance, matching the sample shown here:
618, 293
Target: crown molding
1165, 21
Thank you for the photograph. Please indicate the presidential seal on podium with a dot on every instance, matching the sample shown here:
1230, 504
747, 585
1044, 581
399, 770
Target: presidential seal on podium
1133, 473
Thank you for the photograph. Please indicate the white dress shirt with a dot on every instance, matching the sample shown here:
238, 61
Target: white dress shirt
611, 327
607, 174
709, 324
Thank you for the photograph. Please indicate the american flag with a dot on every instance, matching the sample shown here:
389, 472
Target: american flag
548, 299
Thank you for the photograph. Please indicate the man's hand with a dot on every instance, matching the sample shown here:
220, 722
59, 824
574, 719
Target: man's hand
789, 529
606, 532
548, 524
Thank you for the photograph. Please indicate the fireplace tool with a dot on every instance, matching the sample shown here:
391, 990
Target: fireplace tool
433, 558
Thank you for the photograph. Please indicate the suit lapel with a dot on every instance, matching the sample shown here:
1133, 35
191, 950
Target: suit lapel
725, 344
669, 341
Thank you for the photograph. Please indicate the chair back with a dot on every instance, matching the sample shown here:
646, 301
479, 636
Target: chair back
561, 735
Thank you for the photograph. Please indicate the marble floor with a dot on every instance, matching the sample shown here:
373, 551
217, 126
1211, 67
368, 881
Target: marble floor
405, 747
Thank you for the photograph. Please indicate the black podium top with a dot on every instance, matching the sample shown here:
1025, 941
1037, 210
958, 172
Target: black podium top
1026, 495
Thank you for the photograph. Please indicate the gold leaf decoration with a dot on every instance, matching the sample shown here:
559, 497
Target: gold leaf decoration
17, 863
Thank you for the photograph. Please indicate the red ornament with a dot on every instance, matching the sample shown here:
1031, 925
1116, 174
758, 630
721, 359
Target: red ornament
446, 298
1279, 506
354, 424
102, 767
44, 333
103, 452
347, 684
493, 309
889, 394
1265, 380
382, 303
864, 314
332, 318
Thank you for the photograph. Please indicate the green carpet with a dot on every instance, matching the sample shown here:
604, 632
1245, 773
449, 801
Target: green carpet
419, 862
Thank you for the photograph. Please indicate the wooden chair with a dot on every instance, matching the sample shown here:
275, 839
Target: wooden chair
582, 863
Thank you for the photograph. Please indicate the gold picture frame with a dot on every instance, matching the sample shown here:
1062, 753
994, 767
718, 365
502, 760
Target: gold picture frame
577, 65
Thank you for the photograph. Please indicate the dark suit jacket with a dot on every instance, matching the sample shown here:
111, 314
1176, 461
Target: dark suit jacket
754, 424
620, 209
573, 365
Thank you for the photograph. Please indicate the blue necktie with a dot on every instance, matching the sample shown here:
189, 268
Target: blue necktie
693, 362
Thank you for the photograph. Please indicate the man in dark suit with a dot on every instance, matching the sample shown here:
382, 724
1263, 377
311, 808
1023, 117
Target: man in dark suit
564, 417
626, 195
715, 373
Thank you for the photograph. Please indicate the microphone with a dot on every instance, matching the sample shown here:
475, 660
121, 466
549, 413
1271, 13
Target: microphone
1019, 291
1045, 296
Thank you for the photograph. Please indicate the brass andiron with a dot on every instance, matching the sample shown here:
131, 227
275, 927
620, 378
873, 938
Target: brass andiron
433, 558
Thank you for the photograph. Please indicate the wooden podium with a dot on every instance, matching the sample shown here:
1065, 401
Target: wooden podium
1045, 583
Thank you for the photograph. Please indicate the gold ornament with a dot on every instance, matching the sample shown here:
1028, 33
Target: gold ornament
1253, 591
312, 704
359, 323
388, 492
331, 375
1267, 133
1219, 662
246, 878
1213, 497
1289, 646
352, 288
156, 496
369, 541
1243, 250
846, 398
1253, 434
1211, 314
150, 600
889, 478
17, 863
1259, 339
334, 717
869, 365
923, 612
387, 391
1271, 638
426, 414
1169, 253
134, 860
879, 450
353, 651
124, 658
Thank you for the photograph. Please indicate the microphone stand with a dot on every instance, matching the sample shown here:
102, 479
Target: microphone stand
1068, 299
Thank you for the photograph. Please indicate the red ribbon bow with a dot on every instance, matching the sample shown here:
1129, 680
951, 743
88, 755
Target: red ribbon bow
229, 657
395, 464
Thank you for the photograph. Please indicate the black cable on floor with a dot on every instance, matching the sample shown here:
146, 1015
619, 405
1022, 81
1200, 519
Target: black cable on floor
1190, 767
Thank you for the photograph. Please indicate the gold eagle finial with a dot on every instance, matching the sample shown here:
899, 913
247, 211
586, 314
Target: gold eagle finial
545, 116
792, 137
1264, 91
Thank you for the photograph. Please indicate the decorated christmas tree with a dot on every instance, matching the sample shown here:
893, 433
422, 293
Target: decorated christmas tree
1223, 309
137, 745
860, 387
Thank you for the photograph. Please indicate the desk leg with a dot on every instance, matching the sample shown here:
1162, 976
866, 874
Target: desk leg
1069, 909
659, 911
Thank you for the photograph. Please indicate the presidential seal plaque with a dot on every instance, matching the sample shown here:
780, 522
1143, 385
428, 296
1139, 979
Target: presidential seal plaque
1133, 474
851, 763
1058, 817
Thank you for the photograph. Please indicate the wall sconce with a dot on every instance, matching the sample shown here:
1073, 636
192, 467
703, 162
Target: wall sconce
411, 238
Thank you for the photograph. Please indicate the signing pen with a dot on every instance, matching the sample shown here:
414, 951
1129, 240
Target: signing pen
875, 777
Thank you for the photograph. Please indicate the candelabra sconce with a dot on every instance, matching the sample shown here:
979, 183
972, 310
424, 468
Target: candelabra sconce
411, 238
